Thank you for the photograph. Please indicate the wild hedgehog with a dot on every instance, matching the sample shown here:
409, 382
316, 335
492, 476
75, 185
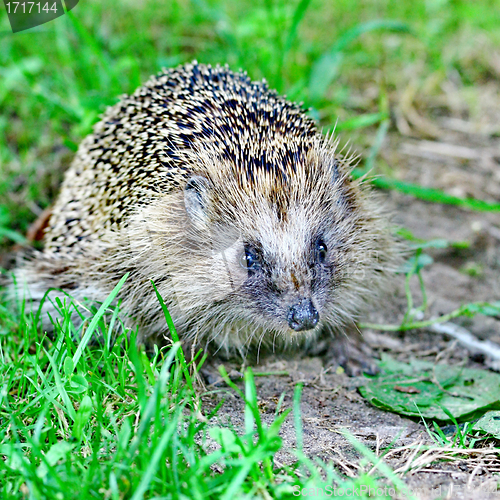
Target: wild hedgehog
227, 197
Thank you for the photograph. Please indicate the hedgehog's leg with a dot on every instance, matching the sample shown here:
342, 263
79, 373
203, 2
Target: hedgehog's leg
348, 349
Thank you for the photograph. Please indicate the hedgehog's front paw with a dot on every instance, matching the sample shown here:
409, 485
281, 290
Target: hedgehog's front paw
353, 354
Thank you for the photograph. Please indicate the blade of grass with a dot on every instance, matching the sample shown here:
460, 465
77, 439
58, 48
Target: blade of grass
153, 464
470, 309
95, 320
379, 139
326, 68
175, 337
361, 121
298, 15
429, 194
297, 416
60, 387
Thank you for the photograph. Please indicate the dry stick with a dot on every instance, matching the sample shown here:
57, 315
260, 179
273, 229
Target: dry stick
477, 468
407, 466
467, 339
406, 449
377, 450
344, 463
434, 453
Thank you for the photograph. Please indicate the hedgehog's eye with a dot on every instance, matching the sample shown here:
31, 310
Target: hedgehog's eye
321, 250
250, 260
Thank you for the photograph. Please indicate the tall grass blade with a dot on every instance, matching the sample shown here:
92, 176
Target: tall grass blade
95, 320
326, 68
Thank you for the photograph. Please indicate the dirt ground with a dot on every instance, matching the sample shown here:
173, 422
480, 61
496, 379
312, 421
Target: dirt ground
464, 161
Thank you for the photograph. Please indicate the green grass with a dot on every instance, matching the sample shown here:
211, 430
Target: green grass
107, 420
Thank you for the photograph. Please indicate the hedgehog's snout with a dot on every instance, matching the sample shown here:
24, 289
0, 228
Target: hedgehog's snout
303, 316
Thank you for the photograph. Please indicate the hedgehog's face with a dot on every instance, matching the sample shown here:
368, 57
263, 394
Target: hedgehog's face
278, 272
291, 292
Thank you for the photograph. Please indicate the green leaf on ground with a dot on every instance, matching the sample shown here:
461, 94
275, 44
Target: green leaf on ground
489, 423
422, 389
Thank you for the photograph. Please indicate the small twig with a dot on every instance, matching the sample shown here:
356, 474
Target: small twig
467, 339
477, 468
407, 466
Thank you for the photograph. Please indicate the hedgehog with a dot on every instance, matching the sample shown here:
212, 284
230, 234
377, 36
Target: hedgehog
229, 199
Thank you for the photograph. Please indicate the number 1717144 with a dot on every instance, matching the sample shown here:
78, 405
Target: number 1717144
29, 7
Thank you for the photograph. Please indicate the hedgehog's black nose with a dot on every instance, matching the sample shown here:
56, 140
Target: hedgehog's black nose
303, 316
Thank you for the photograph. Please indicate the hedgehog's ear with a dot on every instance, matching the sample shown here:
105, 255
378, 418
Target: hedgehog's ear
195, 199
